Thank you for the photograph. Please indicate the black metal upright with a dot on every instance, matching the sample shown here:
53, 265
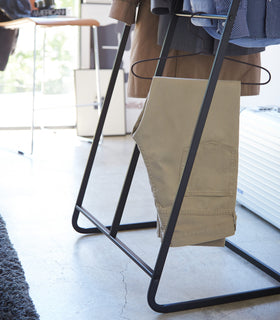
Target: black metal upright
111, 231
98, 134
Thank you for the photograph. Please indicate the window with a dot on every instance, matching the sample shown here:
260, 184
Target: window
56, 58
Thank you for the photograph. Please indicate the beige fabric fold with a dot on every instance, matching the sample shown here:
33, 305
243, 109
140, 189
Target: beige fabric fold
163, 134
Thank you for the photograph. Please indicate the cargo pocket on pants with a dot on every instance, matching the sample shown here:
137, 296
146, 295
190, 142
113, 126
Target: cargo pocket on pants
208, 208
214, 170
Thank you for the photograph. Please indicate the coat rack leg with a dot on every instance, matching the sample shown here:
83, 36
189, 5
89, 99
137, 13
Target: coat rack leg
98, 133
191, 156
223, 299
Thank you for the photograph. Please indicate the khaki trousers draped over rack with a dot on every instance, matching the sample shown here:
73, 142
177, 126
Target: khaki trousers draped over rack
164, 133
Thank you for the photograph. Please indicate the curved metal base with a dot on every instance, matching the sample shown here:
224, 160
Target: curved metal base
121, 227
206, 302
216, 300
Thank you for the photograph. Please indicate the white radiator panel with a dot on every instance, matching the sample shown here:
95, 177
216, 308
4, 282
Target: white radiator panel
259, 163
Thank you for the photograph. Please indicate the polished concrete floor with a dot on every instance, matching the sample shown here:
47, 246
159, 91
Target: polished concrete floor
76, 277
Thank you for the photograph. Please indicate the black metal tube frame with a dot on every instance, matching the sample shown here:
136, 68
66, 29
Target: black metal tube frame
111, 231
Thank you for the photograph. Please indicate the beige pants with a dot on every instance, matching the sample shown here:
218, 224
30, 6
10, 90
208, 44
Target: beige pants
163, 134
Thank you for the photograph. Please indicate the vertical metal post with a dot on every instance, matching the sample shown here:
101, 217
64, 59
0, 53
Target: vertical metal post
97, 70
34, 88
97, 67
44, 62
124, 194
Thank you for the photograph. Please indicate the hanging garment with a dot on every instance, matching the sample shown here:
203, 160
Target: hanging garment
256, 23
144, 46
8, 38
10, 10
16, 9
193, 39
221, 7
163, 134
189, 37
163, 7
240, 27
200, 6
262, 19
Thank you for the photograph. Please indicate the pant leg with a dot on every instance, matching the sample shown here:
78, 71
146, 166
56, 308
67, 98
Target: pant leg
164, 133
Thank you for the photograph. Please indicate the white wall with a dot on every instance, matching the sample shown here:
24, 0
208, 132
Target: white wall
270, 93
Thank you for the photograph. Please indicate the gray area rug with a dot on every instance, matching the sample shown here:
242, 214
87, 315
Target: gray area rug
15, 302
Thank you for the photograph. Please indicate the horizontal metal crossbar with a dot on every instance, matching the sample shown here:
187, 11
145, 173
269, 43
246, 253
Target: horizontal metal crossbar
106, 231
202, 16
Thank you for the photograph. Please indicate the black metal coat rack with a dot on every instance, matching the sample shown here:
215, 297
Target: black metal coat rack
111, 231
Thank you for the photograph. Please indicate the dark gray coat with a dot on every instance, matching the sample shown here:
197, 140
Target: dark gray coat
10, 10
